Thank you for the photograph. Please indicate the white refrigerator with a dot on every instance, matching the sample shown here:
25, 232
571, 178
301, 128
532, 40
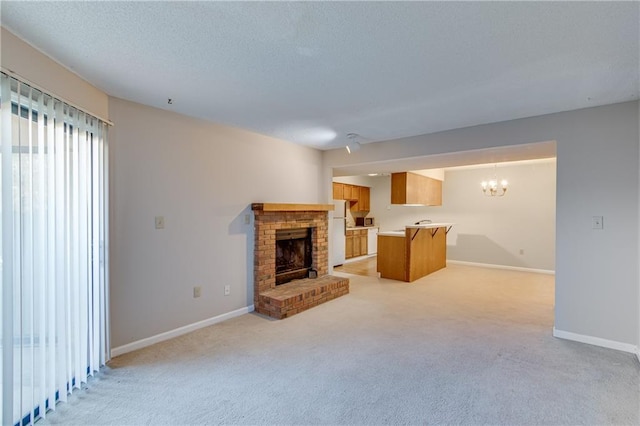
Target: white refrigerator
339, 232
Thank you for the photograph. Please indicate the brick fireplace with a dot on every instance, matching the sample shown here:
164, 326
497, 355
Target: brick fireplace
290, 298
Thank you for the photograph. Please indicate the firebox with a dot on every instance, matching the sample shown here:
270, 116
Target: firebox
293, 254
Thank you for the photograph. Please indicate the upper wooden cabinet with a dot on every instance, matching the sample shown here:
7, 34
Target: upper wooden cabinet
359, 197
355, 194
412, 188
348, 192
365, 199
338, 191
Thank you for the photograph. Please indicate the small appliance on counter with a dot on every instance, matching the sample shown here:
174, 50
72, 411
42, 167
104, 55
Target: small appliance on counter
364, 221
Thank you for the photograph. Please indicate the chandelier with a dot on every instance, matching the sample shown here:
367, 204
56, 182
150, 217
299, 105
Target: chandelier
493, 187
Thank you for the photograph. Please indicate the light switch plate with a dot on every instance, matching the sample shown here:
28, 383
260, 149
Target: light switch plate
597, 222
159, 222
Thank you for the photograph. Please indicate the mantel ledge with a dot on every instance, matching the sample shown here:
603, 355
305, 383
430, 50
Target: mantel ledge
285, 207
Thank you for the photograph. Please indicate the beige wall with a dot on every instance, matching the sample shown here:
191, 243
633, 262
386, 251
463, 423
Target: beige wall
490, 230
597, 280
202, 178
22, 59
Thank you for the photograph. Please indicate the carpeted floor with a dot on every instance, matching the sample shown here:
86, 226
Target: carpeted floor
461, 346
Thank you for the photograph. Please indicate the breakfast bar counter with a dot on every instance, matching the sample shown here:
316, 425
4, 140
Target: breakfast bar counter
414, 252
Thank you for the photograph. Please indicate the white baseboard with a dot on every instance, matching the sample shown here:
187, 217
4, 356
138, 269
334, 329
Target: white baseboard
143, 343
596, 341
508, 268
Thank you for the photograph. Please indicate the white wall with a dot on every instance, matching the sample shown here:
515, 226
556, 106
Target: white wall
202, 178
32, 65
597, 280
489, 230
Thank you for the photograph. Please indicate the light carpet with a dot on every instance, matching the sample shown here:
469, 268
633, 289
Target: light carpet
464, 345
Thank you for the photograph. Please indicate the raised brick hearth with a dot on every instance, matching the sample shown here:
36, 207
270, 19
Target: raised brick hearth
298, 295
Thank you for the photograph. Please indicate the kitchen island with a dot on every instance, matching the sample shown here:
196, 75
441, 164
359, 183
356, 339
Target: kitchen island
414, 252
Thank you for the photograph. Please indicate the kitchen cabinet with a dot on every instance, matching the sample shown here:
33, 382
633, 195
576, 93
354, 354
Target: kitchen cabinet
348, 192
348, 246
355, 198
338, 191
418, 251
364, 201
412, 188
363, 237
356, 243
358, 197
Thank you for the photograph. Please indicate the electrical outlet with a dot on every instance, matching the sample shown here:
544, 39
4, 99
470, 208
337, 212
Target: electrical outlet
159, 222
197, 292
247, 219
521, 251
227, 290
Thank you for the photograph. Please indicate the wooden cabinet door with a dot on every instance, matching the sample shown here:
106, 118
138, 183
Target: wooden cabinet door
347, 191
411, 188
399, 188
364, 243
357, 249
355, 193
348, 249
355, 198
433, 192
338, 191
365, 199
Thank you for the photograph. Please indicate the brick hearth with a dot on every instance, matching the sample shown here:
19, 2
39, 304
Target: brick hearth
295, 296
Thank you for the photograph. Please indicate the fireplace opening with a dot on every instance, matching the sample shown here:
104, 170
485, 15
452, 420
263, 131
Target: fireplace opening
293, 254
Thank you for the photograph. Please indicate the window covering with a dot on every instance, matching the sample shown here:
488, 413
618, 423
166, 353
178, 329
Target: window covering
54, 251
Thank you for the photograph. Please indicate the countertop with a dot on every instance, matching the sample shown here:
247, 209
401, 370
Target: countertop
401, 233
356, 228
431, 225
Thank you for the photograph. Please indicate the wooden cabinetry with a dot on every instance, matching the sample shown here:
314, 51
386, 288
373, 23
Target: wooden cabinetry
392, 257
419, 252
348, 247
338, 191
363, 237
347, 192
412, 188
359, 197
356, 243
365, 199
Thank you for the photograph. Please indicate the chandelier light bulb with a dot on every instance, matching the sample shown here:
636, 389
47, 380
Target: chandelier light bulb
490, 188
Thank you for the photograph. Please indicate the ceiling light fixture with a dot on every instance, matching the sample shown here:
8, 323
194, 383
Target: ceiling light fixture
353, 145
491, 188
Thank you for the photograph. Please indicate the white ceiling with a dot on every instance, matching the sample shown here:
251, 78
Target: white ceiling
311, 72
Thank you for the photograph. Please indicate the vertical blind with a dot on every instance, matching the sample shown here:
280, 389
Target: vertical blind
54, 252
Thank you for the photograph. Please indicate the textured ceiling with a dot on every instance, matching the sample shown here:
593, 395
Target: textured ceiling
311, 72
